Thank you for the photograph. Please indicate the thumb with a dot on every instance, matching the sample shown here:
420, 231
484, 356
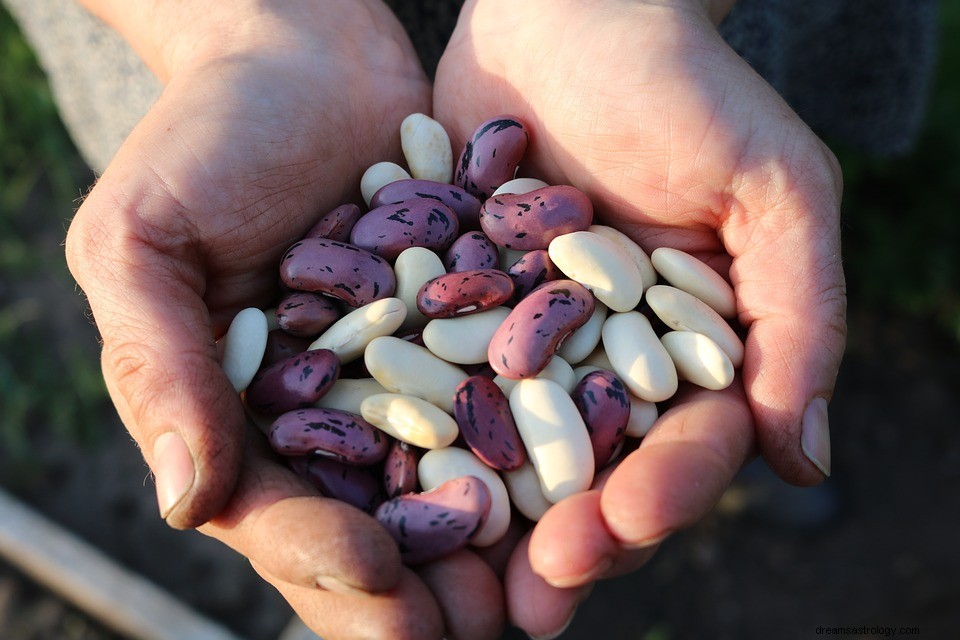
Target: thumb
145, 284
789, 280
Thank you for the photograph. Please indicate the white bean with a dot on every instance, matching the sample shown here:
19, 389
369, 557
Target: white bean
638, 357
378, 175
242, 347
689, 274
350, 335
404, 367
699, 359
410, 419
464, 339
601, 265
426, 148
682, 311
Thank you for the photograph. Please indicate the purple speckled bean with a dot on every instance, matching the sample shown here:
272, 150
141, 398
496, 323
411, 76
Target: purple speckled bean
528, 221
523, 345
389, 229
338, 269
464, 292
357, 486
483, 414
305, 314
471, 251
281, 345
532, 270
465, 205
430, 525
491, 156
330, 433
603, 404
337, 224
400, 469
294, 383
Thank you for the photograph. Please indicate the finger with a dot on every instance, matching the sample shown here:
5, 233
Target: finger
596, 553
469, 595
789, 280
280, 523
543, 611
406, 612
681, 468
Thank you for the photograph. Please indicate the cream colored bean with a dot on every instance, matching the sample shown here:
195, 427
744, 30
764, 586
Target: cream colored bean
699, 359
554, 436
410, 419
580, 344
347, 394
682, 311
601, 265
520, 185
440, 465
378, 175
638, 358
523, 485
636, 253
643, 415
350, 335
242, 347
463, 339
426, 148
689, 274
558, 370
404, 367
414, 267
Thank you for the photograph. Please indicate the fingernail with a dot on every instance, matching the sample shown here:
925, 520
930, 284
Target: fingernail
587, 576
174, 470
558, 632
815, 435
337, 586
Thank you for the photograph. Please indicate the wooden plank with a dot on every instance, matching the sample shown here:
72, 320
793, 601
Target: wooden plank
88, 578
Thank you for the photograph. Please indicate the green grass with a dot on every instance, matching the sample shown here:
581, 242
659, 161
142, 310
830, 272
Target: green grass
49, 385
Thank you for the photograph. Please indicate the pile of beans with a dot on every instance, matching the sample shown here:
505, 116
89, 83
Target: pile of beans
473, 346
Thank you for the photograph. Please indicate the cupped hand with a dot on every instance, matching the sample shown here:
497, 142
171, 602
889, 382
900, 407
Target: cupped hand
270, 113
678, 143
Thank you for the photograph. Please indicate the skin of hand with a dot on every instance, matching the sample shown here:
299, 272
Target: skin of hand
270, 113
679, 143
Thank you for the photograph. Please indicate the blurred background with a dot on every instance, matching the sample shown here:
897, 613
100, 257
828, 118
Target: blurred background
875, 546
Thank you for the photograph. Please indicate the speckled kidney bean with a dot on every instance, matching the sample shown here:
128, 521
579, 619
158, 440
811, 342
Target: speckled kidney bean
336, 225
329, 433
464, 292
483, 413
473, 250
337, 269
400, 469
532, 270
531, 334
529, 221
604, 405
491, 156
305, 314
389, 229
294, 383
430, 525
281, 345
465, 205
357, 486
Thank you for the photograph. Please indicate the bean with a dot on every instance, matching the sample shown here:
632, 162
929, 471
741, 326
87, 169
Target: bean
531, 220
465, 292
600, 265
329, 433
430, 525
356, 486
414, 267
389, 229
242, 347
400, 469
682, 311
305, 314
294, 383
486, 424
350, 335
426, 148
699, 359
532, 270
379, 175
491, 156
410, 419
604, 406
337, 224
464, 340
337, 269
638, 358
473, 250
529, 337
689, 274
465, 205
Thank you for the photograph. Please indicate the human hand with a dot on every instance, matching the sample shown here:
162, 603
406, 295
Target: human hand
271, 112
678, 143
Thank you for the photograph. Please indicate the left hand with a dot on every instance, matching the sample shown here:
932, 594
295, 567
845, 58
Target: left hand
678, 143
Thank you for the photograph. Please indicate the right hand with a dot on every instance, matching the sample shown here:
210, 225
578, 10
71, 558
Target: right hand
270, 114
